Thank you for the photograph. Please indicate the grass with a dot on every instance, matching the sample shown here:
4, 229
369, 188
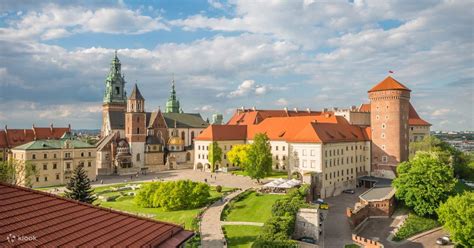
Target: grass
414, 225
351, 246
253, 208
127, 204
241, 236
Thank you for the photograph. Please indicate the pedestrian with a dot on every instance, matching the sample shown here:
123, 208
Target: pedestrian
205, 180
131, 177
101, 181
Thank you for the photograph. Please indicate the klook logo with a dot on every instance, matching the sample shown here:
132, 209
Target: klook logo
12, 238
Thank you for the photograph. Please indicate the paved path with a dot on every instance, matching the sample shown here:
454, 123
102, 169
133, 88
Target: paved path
241, 223
211, 229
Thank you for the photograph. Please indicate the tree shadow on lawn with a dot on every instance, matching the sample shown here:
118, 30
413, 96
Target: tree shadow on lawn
241, 240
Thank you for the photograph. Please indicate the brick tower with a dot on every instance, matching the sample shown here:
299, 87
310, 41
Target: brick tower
115, 99
389, 108
135, 127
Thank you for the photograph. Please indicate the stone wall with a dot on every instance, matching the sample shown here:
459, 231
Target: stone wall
365, 242
307, 223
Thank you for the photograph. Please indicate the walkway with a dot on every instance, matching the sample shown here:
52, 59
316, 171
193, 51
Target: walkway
241, 223
211, 229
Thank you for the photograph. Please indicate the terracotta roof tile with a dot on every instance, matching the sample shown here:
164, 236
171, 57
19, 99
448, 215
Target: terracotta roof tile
389, 84
223, 132
10, 138
250, 116
59, 222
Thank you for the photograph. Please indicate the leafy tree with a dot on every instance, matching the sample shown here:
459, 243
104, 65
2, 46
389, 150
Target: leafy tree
215, 155
79, 187
424, 182
238, 155
259, 157
173, 195
457, 216
17, 172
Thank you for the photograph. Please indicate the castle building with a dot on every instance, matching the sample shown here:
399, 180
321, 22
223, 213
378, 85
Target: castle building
134, 140
10, 138
333, 149
55, 160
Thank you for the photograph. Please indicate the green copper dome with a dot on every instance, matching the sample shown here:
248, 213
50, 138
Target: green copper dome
115, 83
172, 105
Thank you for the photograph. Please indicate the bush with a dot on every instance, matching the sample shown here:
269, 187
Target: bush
274, 244
414, 225
174, 195
219, 189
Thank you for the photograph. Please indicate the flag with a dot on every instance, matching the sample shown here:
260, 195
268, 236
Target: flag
390, 71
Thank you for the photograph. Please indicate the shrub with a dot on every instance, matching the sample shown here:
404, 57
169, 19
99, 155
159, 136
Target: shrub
219, 189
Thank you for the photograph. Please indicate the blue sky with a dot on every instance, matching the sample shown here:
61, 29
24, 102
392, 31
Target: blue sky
314, 54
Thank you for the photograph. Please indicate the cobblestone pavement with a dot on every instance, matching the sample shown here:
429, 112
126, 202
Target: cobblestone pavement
211, 229
241, 223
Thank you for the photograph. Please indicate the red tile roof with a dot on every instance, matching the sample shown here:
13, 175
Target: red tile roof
413, 118
10, 138
389, 84
251, 116
223, 132
325, 128
56, 221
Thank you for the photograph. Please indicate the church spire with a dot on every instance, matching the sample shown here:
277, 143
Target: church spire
172, 105
115, 83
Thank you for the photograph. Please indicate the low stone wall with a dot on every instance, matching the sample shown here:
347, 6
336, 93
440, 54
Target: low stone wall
365, 242
357, 215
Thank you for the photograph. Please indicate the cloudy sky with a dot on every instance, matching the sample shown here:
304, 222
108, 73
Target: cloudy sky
55, 56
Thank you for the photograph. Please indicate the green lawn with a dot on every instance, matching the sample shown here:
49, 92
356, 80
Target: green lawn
241, 236
253, 208
127, 203
414, 225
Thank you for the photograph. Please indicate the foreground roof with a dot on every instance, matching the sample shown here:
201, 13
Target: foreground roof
389, 83
56, 221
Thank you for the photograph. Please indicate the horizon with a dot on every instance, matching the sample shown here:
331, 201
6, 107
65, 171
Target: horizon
227, 55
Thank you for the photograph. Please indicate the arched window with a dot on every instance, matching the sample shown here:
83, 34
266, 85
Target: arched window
182, 135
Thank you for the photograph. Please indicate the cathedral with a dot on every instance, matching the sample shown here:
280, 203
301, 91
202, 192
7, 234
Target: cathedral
135, 141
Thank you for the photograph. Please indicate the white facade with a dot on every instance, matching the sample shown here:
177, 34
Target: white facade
187, 134
201, 152
138, 151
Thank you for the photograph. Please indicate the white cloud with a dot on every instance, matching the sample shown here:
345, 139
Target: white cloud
53, 22
205, 108
440, 112
281, 102
248, 87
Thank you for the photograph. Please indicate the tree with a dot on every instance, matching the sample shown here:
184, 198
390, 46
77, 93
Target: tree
259, 157
457, 216
17, 172
79, 187
238, 155
424, 182
215, 155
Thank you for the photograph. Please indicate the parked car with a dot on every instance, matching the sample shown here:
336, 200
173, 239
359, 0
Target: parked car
443, 240
349, 191
307, 240
324, 205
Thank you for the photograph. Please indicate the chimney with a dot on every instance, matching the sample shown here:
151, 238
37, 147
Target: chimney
69, 126
253, 108
242, 108
328, 115
51, 127
353, 107
24, 132
5, 128
325, 110
296, 110
334, 109
308, 110
286, 109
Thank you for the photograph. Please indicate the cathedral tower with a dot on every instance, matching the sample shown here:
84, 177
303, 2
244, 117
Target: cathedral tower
135, 127
115, 99
389, 108
172, 105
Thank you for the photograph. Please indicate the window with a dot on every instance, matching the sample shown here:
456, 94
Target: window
138, 130
304, 152
225, 157
284, 158
57, 176
313, 152
82, 154
54, 155
33, 156
90, 154
89, 164
276, 148
304, 163
313, 164
45, 179
45, 155
55, 166
276, 157
326, 175
117, 90
37, 179
138, 157
384, 159
283, 148
67, 155
45, 167
325, 153
68, 165
383, 135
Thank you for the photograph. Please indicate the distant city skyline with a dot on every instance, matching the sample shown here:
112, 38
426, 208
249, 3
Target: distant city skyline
224, 55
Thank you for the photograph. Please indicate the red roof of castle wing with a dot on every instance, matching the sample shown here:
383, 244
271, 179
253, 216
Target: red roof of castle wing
10, 138
414, 119
55, 221
16, 137
3, 139
251, 116
50, 133
389, 84
223, 132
